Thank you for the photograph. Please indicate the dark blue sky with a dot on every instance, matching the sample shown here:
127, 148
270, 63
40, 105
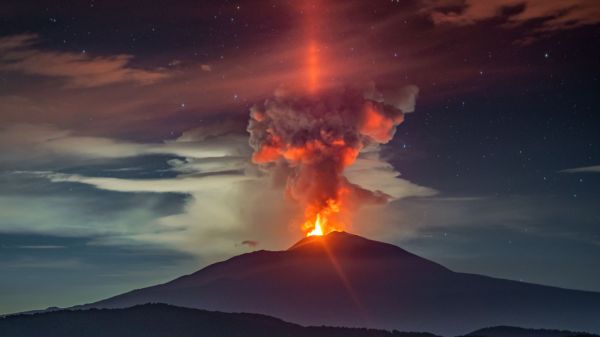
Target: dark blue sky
124, 159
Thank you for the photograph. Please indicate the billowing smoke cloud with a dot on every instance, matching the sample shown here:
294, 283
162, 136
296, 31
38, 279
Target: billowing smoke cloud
308, 140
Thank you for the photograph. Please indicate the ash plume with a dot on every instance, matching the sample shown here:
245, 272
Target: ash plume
308, 140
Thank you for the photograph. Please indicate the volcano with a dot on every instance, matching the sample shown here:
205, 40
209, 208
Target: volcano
346, 280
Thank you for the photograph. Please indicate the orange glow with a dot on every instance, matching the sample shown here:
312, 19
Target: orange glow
266, 154
308, 134
313, 67
377, 125
349, 156
321, 217
323, 221
312, 10
317, 230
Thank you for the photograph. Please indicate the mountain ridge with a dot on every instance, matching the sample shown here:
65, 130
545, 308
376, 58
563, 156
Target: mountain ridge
347, 280
160, 320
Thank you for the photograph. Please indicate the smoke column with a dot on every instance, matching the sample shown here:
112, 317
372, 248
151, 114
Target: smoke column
311, 138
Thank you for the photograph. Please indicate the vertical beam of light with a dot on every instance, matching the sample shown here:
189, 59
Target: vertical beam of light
312, 62
313, 67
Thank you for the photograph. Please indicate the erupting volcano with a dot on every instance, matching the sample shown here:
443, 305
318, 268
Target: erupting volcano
356, 282
310, 139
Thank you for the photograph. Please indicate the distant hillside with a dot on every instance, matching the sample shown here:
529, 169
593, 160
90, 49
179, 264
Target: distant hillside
162, 320
509, 331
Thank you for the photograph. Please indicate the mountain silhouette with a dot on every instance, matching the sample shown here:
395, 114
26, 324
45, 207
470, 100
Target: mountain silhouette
162, 320
346, 280
510, 331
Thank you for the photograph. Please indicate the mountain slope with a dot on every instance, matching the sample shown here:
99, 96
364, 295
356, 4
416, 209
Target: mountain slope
346, 280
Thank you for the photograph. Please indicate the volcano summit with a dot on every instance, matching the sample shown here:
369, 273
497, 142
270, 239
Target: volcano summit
342, 279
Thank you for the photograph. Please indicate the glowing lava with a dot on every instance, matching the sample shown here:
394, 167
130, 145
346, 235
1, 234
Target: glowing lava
317, 230
324, 221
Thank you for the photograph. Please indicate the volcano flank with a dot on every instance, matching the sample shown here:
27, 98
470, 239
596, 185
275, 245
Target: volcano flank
342, 279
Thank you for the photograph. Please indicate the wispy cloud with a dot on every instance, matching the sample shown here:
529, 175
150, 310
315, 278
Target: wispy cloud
40, 247
585, 169
187, 184
536, 216
32, 263
375, 174
228, 200
81, 70
39, 143
546, 16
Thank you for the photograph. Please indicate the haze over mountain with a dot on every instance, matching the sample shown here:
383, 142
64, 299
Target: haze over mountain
346, 280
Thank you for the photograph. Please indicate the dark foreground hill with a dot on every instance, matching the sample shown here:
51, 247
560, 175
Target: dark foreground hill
161, 320
509, 331
346, 280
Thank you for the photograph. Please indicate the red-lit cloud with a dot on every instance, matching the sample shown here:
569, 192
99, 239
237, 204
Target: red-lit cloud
550, 15
112, 94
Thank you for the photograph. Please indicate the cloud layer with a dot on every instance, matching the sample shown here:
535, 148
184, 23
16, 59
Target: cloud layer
226, 199
79, 70
549, 16
585, 169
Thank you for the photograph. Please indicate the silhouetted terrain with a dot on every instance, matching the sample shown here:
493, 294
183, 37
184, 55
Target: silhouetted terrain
508, 331
346, 280
161, 320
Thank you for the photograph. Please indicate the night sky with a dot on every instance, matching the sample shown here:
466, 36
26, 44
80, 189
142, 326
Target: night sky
124, 157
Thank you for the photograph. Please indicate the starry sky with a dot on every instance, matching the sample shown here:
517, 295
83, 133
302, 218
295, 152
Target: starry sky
124, 157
